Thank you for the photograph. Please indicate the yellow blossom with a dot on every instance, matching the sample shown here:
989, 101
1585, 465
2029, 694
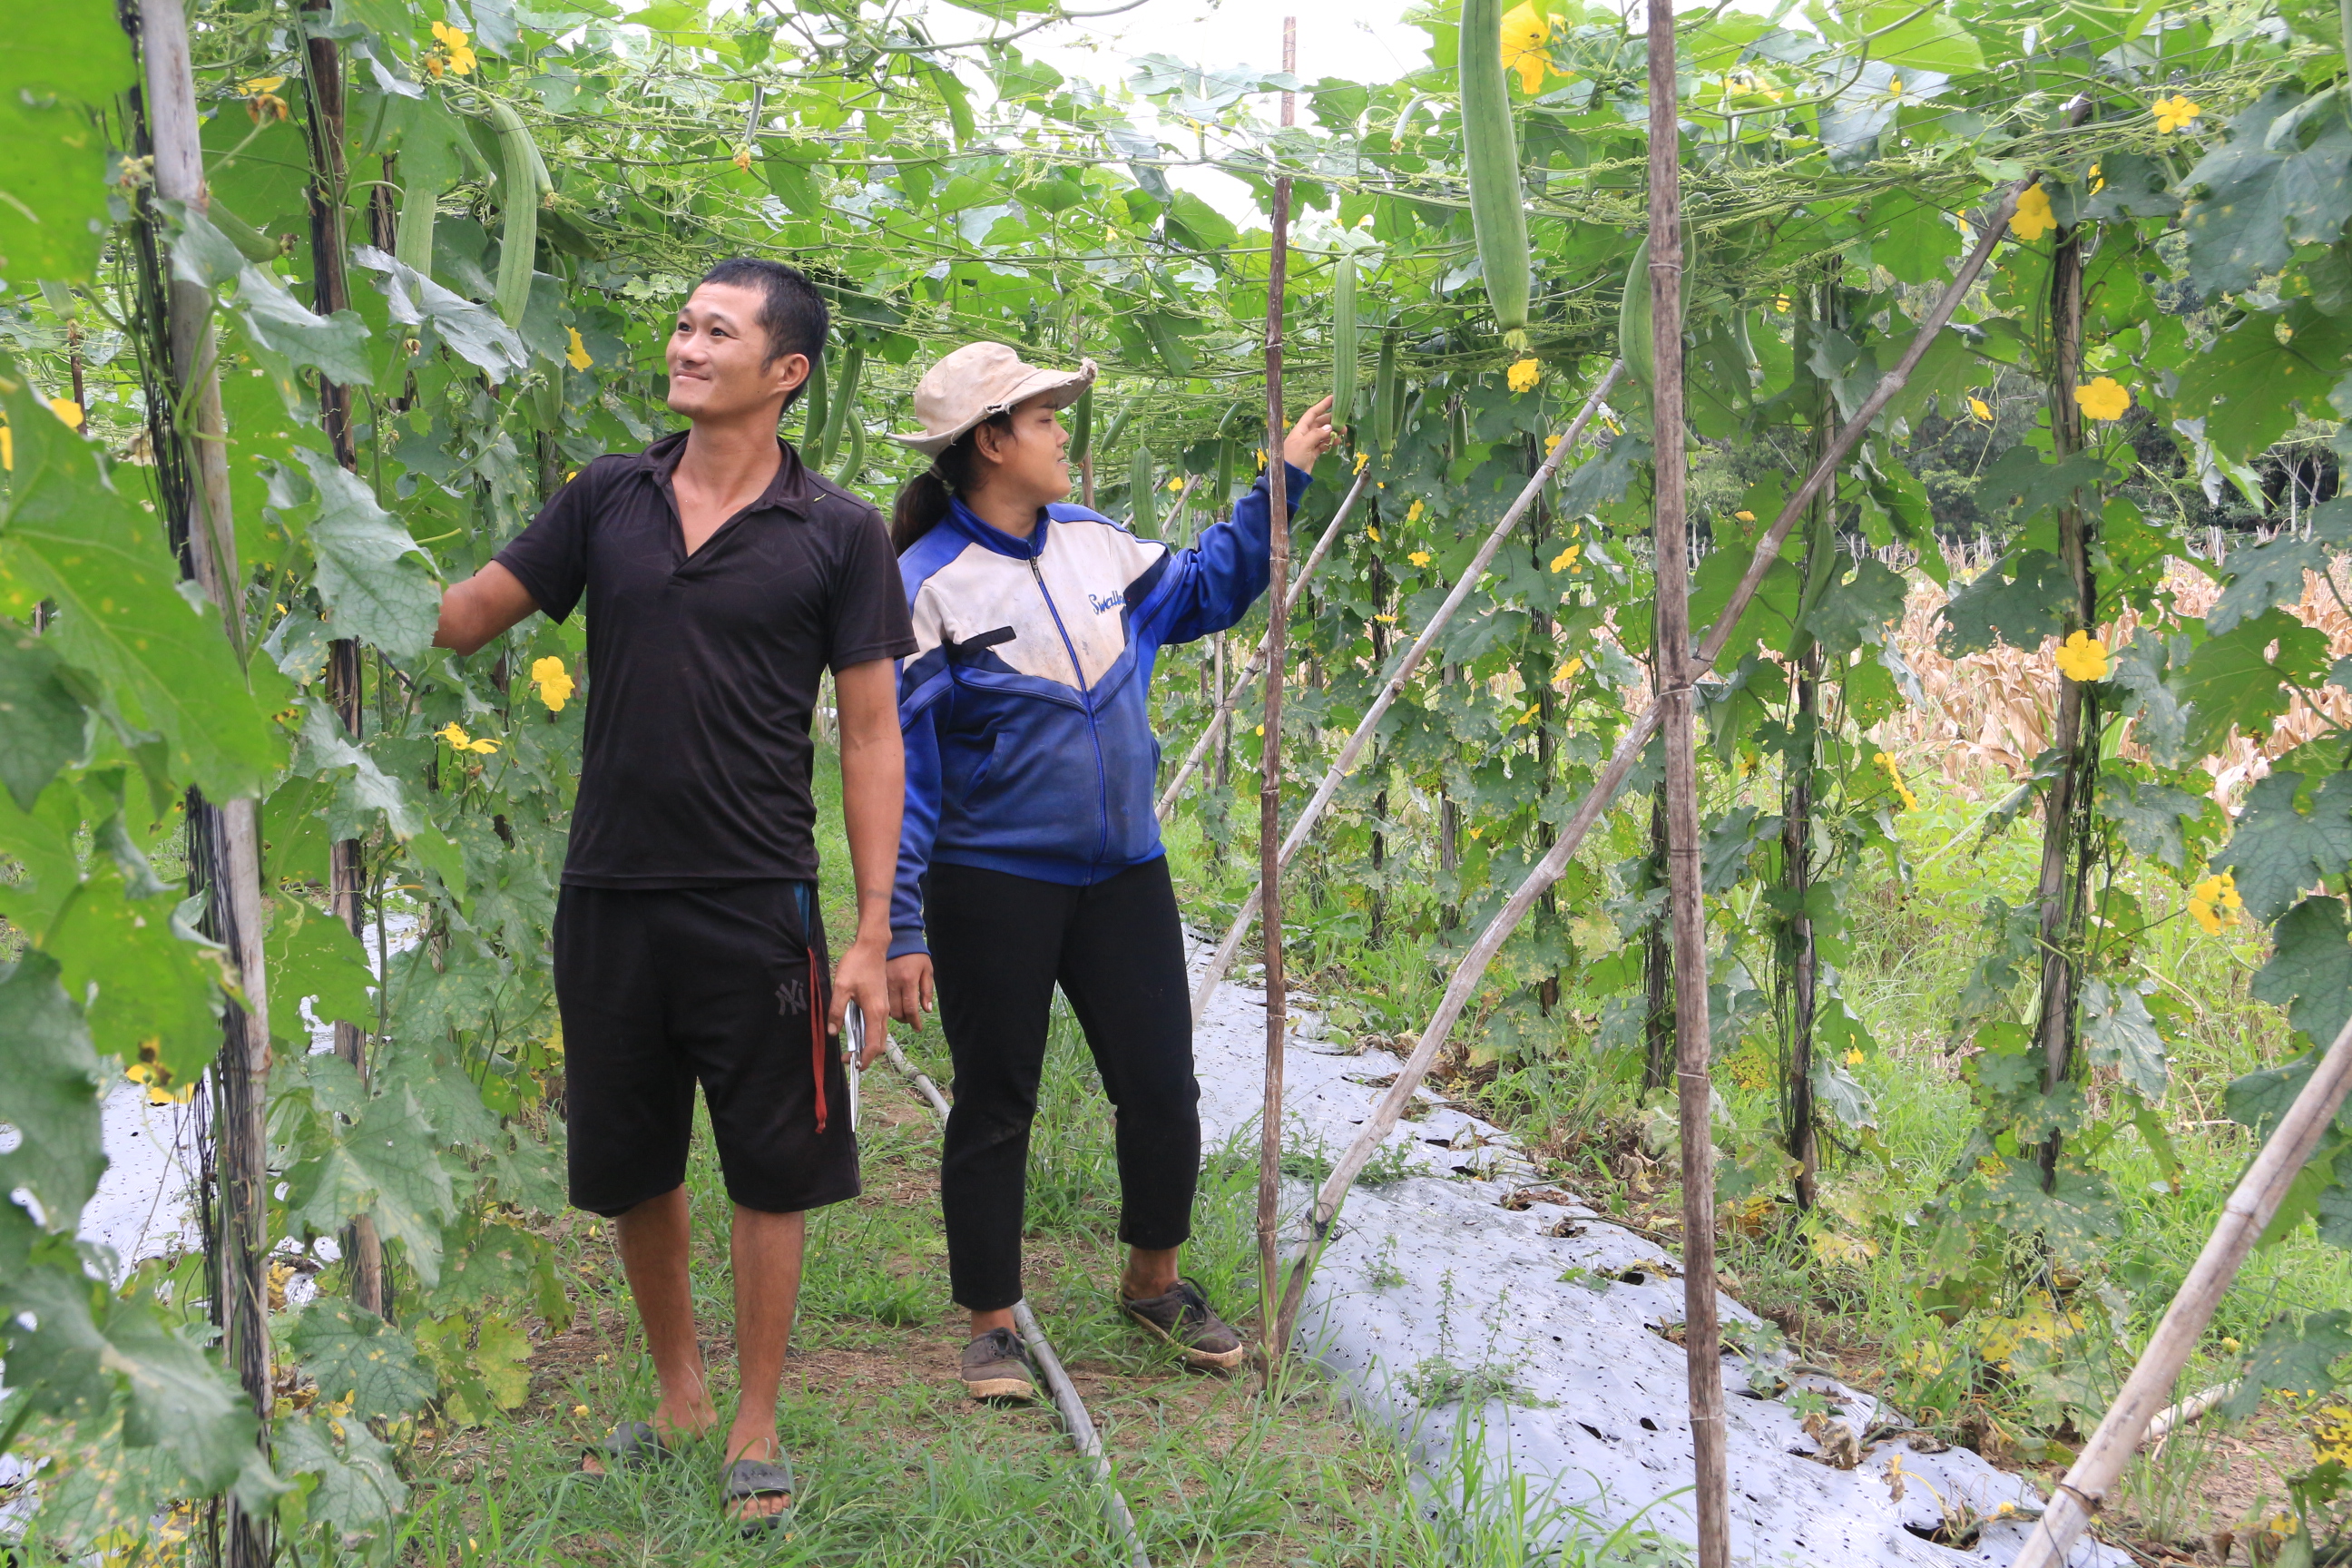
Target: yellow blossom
2104, 398
1854, 1058
1373, 534
577, 355
1978, 406
2033, 217
454, 733
1387, 620
460, 53
67, 409
1744, 516
1895, 777
259, 84
1260, 456
2215, 902
1523, 45
1361, 458
2083, 657
554, 682
1566, 559
264, 106
1552, 442
743, 159
1569, 672
579, 1410
1418, 558
1412, 513
1176, 485
7, 449
1523, 375
2175, 113
1477, 833
1527, 718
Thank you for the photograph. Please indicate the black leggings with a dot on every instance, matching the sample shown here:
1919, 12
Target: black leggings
998, 942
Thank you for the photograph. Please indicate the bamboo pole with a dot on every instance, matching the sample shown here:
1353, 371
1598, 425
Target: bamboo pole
1213, 976
1066, 1403
1269, 795
2244, 1217
1228, 697
1469, 972
224, 839
1702, 1334
347, 870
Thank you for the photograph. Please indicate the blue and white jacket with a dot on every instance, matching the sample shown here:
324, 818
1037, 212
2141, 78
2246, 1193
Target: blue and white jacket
1026, 703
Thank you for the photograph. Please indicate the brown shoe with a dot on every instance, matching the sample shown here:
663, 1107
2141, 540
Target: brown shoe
996, 1366
1181, 1317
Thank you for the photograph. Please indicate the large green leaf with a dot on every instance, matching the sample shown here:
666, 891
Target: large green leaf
63, 65
371, 573
2019, 599
359, 1359
120, 617
2310, 969
2237, 681
1855, 612
2280, 851
2267, 574
356, 1487
50, 1090
384, 1164
2121, 1034
156, 989
2149, 817
2292, 1357
43, 725
314, 956
2254, 375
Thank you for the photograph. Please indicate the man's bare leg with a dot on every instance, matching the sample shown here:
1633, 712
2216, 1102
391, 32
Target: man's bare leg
654, 1239
766, 1249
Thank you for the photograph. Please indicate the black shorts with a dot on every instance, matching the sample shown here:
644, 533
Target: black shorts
661, 987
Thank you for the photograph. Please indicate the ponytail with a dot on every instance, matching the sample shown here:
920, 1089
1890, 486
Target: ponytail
923, 500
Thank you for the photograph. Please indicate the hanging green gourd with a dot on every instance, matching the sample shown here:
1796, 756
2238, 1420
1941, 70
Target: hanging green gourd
854, 464
1384, 394
1498, 217
819, 407
843, 412
523, 182
1118, 428
412, 243
1636, 338
1141, 501
1225, 447
1343, 343
1082, 426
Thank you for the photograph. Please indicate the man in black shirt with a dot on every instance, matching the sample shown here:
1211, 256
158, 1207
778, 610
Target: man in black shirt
721, 576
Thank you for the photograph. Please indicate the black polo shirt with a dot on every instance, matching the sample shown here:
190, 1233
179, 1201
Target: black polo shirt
703, 669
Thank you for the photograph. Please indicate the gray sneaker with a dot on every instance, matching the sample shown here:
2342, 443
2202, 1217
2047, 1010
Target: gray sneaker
1182, 1319
996, 1366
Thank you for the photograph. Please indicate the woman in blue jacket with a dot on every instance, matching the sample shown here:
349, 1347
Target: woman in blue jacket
1031, 855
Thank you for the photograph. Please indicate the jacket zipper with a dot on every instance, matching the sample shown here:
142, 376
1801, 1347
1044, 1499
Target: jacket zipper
1102, 770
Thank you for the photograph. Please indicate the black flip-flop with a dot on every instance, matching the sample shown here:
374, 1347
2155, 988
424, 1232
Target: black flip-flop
633, 1445
749, 1479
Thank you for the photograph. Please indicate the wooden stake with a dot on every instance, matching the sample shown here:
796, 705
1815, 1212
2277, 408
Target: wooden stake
1702, 1338
1230, 695
224, 840
347, 869
2244, 1217
1269, 795
1393, 686
1471, 970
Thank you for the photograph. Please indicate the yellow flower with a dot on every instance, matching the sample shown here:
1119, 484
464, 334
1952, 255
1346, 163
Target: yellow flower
1569, 672
2104, 398
579, 1410
2083, 657
1566, 559
264, 106
1523, 375
459, 741
259, 84
460, 53
743, 159
7, 449
1552, 442
1527, 718
1854, 1058
1978, 406
1373, 534
2214, 903
1361, 458
1523, 45
1176, 486
1895, 777
1419, 557
1386, 620
1744, 516
2174, 112
1780, 304
554, 682
1412, 513
577, 355
2033, 217
1477, 833
1260, 456
67, 409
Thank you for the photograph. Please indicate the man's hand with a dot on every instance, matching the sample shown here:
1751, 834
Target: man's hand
1310, 437
910, 989
859, 974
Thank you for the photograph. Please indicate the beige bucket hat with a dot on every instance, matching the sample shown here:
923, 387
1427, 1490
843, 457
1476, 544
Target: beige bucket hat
978, 381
